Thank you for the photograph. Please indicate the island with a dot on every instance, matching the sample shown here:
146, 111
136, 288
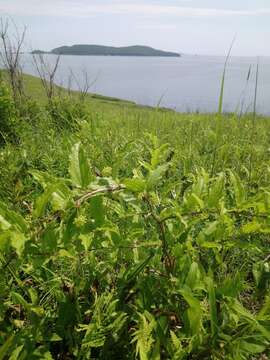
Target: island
100, 50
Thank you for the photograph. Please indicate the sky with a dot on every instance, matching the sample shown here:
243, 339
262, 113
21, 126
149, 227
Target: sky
186, 26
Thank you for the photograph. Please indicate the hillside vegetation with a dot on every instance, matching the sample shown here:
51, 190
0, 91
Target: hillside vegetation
131, 233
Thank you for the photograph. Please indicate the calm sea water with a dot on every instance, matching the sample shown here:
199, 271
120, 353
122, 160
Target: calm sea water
189, 83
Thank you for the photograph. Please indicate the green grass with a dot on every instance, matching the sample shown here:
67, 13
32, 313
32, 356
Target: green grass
35, 90
129, 232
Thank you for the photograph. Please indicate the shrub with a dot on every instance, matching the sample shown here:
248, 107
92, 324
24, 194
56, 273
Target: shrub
7, 116
66, 113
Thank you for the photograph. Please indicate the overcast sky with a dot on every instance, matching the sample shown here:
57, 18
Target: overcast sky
189, 26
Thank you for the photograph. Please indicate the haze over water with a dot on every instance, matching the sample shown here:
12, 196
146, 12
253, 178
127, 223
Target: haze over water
189, 83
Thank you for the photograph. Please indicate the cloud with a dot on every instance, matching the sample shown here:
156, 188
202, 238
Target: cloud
83, 9
157, 26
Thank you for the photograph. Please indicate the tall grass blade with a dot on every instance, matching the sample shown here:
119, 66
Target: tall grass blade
256, 91
160, 99
212, 308
241, 102
252, 135
5, 347
221, 96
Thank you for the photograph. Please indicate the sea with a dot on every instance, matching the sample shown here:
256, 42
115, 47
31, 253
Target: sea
190, 83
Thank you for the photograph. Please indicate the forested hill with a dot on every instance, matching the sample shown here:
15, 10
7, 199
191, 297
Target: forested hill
110, 51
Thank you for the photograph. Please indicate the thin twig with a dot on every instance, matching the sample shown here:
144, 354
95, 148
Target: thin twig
110, 248
208, 212
166, 258
93, 193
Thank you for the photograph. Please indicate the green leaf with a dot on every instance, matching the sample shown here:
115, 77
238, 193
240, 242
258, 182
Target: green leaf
155, 176
194, 312
155, 355
251, 227
105, 321
55, 338
79, 169
15, 353
231, 286
252, 348
239, 190
60, 197
193, 202
178, 351
42, 201
86, 240
211, 228
47, 356
18, 241
4, 224
18, 299
58, 194
135, 184
65, 254
5, 347
193, 277
158, 154
250, 318
144, 335
97, 210
43, 178
133, 272
5, 240
216, 192
10, 218
212, 306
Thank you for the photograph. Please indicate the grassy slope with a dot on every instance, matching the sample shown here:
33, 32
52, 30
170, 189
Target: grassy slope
113, 127
195, 136
34, 89
223, 240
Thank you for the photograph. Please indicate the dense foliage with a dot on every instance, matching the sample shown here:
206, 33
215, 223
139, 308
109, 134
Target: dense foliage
130, 233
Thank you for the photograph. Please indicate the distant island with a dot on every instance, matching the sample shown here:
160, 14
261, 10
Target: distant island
100, 50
